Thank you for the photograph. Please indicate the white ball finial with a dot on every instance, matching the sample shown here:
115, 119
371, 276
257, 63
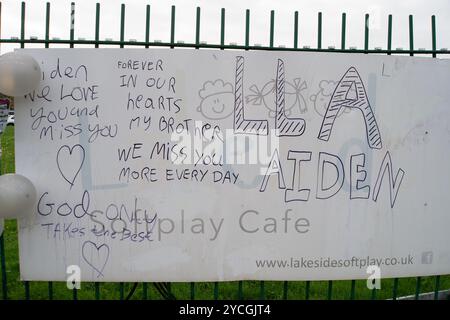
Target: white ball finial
19, 74
17, 196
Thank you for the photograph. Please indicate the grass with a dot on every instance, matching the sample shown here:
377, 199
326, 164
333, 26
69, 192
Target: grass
225, 290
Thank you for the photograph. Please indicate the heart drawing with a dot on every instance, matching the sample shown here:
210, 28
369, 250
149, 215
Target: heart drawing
70, 161
96, 256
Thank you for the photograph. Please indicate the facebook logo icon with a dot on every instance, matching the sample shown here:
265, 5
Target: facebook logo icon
427, 257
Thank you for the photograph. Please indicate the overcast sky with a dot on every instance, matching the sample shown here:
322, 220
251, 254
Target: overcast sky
235, 21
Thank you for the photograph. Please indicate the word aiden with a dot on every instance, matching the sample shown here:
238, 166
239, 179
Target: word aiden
331, 168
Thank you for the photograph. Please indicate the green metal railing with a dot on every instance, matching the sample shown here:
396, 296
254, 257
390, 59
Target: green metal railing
165, 289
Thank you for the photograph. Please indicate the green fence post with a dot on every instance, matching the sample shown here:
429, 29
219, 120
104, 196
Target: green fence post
330, 290
343, 27
296, 29
147, 26
222, 28
22, 26
436, 287
411, 35
262, 290
26, 285
394, 293
240, 291
172, 27
374, 294
144, 291
197, 29
192, 290
418, 283
352, 290
47, 24
247, 28
97, 290
2, 244
3, 265
285, 290
307, 289
50, 290
122, 25
433, 35
72, 23
216, 290
121, 291
366, 32
389, 39
319, 31
272, 27
97, 24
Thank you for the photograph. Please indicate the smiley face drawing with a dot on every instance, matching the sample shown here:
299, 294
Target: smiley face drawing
217, 99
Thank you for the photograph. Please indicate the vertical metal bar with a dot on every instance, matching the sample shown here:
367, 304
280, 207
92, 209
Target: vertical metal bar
144, 291
308, 285
352, 290
319, 31
75, 294
22, 26
97, 25
330, 290
247, 28
192, 290
0, 33
436, 287
366, 32
147, 25
222, 27
285, 290
389, 40
169, 288
216, 290
121, 294
433, 35
262, 290
97, 291
296, 29
395, 290
27, 290
72, 23
3, 265
418, 283
374, 294
172, 27
50, 290
0, 28
47, 24
197, 28
122, 24
240, 291
343, 27
272, 27
2, 240
411, 35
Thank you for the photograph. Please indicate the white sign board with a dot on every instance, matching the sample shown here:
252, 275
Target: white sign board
208, 165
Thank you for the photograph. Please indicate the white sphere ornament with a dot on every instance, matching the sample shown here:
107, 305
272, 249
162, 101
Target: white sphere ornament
20, 74
17, 196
